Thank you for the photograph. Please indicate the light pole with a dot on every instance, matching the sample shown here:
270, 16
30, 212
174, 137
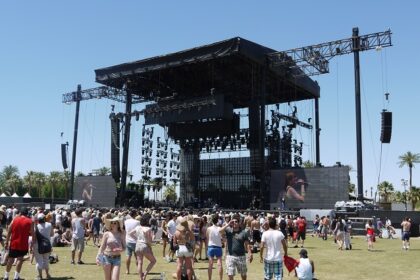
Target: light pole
404, 184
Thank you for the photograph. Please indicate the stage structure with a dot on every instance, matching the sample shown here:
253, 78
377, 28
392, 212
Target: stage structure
194, 93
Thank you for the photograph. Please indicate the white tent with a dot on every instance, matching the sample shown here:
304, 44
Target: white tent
15, 195
27, 195
3, 195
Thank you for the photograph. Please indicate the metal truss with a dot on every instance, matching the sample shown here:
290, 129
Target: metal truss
101, 92
314, 60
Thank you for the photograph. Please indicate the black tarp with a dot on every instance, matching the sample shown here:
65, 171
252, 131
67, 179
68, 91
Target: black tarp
232, 67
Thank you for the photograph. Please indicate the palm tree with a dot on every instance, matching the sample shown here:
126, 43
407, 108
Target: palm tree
55, 178
170, 193
8, 178
308, 164
414, 196
39, 181
409, 159
29, 180
385, 190
104, 171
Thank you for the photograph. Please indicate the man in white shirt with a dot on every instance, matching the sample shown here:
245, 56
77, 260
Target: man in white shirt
305, 270
271, 242
129, 224
171, 232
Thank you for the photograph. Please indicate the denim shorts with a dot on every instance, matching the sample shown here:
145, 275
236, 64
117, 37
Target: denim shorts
129, 249
214, 251
112, 260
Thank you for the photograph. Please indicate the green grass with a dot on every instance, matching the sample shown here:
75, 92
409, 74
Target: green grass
387, 261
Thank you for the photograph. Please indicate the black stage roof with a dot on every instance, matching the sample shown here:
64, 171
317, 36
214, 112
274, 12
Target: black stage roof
230, 67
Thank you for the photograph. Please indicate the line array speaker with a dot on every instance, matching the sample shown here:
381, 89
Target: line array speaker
386, 127
115, 149
64, 155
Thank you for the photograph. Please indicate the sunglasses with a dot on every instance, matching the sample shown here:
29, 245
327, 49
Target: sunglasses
114, 223
235, 222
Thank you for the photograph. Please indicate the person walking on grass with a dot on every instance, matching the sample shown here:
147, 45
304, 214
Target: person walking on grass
370, 235
78, 226
44, 230
129, 224
406, 226
143, 235
272, 242
19, 231
214, 238
112, 245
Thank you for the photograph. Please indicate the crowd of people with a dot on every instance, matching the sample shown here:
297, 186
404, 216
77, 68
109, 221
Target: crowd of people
187, 237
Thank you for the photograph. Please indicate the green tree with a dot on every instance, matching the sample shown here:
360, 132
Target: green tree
409, 159
385, 190
414, 196
104, 171
308, 164
55, 179
351, 187
29, 181
170, 193
9, 178
39, 180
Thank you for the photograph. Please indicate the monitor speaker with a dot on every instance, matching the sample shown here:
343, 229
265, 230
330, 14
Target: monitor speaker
386, 127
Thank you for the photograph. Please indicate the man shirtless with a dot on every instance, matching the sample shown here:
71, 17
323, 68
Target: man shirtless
406, 226
248, 220
256, 232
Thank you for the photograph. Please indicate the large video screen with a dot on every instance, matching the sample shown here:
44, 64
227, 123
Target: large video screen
96, 191
308, 188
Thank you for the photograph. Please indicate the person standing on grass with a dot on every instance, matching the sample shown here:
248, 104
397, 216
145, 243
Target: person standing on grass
78, 226
112, 245
237, 247
301, 231
272, 242
406, 226
42, 260
19, 231
214, 238
143, 235
370, 235
129, 224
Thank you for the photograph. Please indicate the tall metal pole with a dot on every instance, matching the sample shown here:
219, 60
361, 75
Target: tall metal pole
76, 98
317, 133
263, 186
126, 145
356, 49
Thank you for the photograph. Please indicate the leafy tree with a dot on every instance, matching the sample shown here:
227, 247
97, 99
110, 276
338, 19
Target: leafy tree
308, 164
414, 196
29, 181
39, 180
55, 179
170, 193
409, 159
9, 178
352, 187
104, 171
385, 190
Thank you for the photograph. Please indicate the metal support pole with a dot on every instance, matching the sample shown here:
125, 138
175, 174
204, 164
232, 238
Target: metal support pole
126, 145
77, 98
356, 49
263, 187
317, 133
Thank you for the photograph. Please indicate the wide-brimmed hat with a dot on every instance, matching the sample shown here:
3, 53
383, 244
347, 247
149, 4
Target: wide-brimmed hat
183, 225
115, 219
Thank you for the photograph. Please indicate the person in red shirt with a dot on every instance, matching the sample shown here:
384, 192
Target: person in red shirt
17, 241
301, 231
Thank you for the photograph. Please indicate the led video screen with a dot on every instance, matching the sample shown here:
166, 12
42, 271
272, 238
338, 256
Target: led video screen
96, 191
308, 188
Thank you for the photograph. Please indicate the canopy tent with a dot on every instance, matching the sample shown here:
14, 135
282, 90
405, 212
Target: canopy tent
27, 195
14, 195
3, 195
236, 68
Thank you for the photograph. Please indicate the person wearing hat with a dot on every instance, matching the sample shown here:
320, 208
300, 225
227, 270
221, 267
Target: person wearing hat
44, 229
305, 269
112, 245
17, 241
183, 241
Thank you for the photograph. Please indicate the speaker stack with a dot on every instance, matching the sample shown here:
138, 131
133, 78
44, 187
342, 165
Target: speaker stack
386, 127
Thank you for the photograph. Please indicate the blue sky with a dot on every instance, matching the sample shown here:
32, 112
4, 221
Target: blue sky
48, 47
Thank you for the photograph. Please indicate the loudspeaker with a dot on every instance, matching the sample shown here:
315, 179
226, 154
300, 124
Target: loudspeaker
115, 149
64, 155
386, 127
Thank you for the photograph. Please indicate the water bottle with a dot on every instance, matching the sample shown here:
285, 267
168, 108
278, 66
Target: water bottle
162, 276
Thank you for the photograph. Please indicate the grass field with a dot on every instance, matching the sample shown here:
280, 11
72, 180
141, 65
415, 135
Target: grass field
387, 261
